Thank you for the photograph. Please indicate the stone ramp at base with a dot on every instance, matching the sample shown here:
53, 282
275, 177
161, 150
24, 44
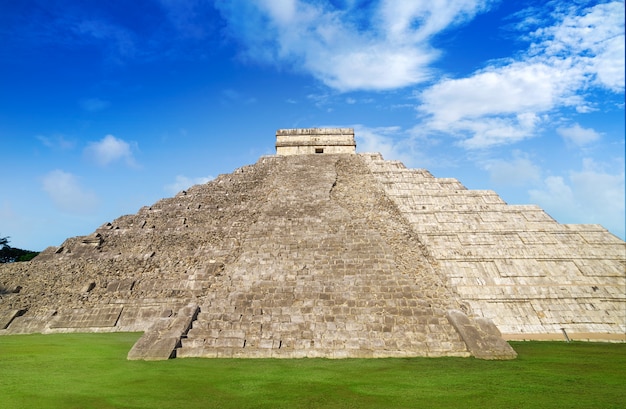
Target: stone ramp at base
161, 340
7, 317
482, 337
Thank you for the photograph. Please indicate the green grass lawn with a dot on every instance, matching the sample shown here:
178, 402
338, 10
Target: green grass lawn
91, 371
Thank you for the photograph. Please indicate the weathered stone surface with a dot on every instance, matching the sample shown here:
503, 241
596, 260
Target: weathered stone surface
160, 341
514, 264
315, 140
482, 337
7, 317
29, 322
331, 255
84, 318
331, 270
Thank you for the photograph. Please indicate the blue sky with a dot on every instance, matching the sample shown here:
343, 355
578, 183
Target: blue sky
109, 106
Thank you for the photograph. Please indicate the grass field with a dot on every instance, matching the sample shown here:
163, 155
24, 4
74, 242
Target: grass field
91, 371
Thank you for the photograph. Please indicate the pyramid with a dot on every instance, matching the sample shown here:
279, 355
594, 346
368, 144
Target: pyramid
318, 251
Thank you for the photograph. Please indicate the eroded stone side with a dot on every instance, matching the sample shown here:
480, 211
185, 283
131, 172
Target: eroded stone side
146, 265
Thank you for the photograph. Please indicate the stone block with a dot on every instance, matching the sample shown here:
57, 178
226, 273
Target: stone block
7, 317
161, 340
482, 337
83, 318
121, 285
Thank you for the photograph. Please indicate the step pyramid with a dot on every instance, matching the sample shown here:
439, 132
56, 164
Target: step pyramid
315, 254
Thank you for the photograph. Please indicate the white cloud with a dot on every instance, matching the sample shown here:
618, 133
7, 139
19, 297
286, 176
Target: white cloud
505, 103
184, 182
609, 66
110, 149
578, 135
67, 194
595, 38
556, 197
591, 194
390, 141
417, 21
518, 87
347, 48
519, 171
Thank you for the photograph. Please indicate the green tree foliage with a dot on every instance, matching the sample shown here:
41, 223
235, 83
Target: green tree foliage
10, 254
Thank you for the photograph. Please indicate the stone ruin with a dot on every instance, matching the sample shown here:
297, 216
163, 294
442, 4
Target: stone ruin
335, 255
315, 140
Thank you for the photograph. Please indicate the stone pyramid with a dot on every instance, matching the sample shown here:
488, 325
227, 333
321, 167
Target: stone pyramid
321, 252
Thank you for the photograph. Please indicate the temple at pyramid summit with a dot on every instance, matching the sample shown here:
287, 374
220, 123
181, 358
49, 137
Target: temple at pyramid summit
320, 251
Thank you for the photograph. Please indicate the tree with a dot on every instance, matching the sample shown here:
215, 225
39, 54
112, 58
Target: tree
10, 254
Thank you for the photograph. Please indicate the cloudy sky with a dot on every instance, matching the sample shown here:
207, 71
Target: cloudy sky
109, 106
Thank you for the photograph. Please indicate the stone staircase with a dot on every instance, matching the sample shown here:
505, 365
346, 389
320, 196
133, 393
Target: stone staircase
320, 275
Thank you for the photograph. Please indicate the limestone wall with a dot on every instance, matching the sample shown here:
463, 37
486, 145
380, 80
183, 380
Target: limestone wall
315, 140
514, 264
